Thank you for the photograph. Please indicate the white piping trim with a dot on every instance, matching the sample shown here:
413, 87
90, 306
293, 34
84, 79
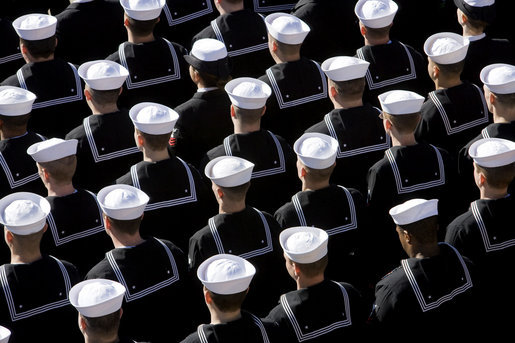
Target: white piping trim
489, 246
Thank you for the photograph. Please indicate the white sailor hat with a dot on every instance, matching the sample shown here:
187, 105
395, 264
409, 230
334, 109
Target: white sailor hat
52, 149
15, 101
248, 93
287, 28
122, 202
35, 26
343, 68
229, 171
376, 13
103, 74
477, 9
210, 56
97, 297
400, 102
316, 150
492, 152
226, 274
143, 9
414, 210
304, 244
446, 47
24, 213
5, 334
153, 118
499, 78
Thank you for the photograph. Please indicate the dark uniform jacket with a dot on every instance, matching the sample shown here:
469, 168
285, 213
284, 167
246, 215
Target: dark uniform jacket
362, 142
269, 6
34, 300
76, 230
245, 36
157, 73
10, 56
254, 236
299, 98
154, 274
60, 103
105, 150
274, 177
179, 202
203, 122
326, 312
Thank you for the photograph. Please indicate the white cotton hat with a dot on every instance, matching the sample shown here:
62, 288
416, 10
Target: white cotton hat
316, 150
24, 213
400, 102
122, 202
97, 297
229, 171
344, 68
446, 47
304, 244
143, 9
52, 149
477, 9
15, 101
492, 152
209, 55
286, 28
35, 26
153, 118
5, 334
226, 274
499, 78
248, 93
103, 74
376, 13
414, 210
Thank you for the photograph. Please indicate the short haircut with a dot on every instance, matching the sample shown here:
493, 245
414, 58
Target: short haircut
248, 116
29, 242
236, 193
498, 177
228, 302
406, 123
15, 122
350, 88
318, 175
129, 227
41, 48
377, 33
104, 97
287, 49
452, 69
506, 100
104, 325
315, 268
477, 24
210, 80
156, 142
425, 230
142, 27
61, 170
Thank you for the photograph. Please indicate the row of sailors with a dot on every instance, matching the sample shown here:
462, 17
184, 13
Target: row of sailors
435, 286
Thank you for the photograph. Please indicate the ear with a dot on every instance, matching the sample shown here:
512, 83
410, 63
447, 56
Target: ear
140, 138
263, 111
8, 236
436, 71
220, 193
45, 174
387, 125
482, 179
303, 172
87, 94
207, 296
126, 22
362, 29
82, 323
274, 46
23, 48
333, 91
107, 223
296, 269
233, 112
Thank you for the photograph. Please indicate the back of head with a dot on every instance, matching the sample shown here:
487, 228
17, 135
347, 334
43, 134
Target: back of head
347, 75
142, 15
499, 79
37, 33
377, 17
495, 159
402, 109
15, 107
287, 31
57, 157
419, 217
448, 51
103, 80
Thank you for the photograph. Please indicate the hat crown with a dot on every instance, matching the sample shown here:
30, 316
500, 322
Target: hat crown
315, 147
492, 148
223, 270
35, 21
101, 69
479, 3
445, 45
143, 4
501, 74
48, 143
152, 114
249, 89
227, 166
120, 198
96, 292
302, 241
22, 212
13, 95
208, 49
343, 61
399, 96
375, 8
287, 24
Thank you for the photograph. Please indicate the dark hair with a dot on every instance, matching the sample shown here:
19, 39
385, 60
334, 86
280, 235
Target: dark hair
507, 100
319, 175
377, 33
61, 170
236, 193
315, 268
15, 122
156, 142
406, 123
104, 325
350, 88
453, 68
104, 96
41, 48
142, 27
424, 231
228, 302
498, 177
248, 116
129, 227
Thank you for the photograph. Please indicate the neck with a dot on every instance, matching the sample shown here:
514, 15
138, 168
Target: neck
102, 109
155, 155
303, 282
240, 127
469, 31
60, 190
25, 255
31, 59
443, 83
424, 251
503, 115
140, 39
346, 103
310, 185
279, 57
120, 240
376, 41
10, 133
231, 207
224, 7
113, 339
218, 317
403, 140
489, 193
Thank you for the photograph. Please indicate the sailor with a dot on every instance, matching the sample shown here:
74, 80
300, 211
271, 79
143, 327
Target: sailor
299, 98
320, 309
273, 177
204, 120
241, 230
353, 123
158, 71
393, 64
153, 270
244, 33
226, 279
176, 189
56, 83
35, 286
76, 231
483, 234
105, 139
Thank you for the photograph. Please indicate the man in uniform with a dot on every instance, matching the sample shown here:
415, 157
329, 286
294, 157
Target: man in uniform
484, 233
393, 65
179, 202
34, 286
320, 309
456, 111
244, 34
153, 270
60, 104
105, 139
273, 157
158, 71
433, 288
204, 120
240, 230
355, 124
226, 279
76, 231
